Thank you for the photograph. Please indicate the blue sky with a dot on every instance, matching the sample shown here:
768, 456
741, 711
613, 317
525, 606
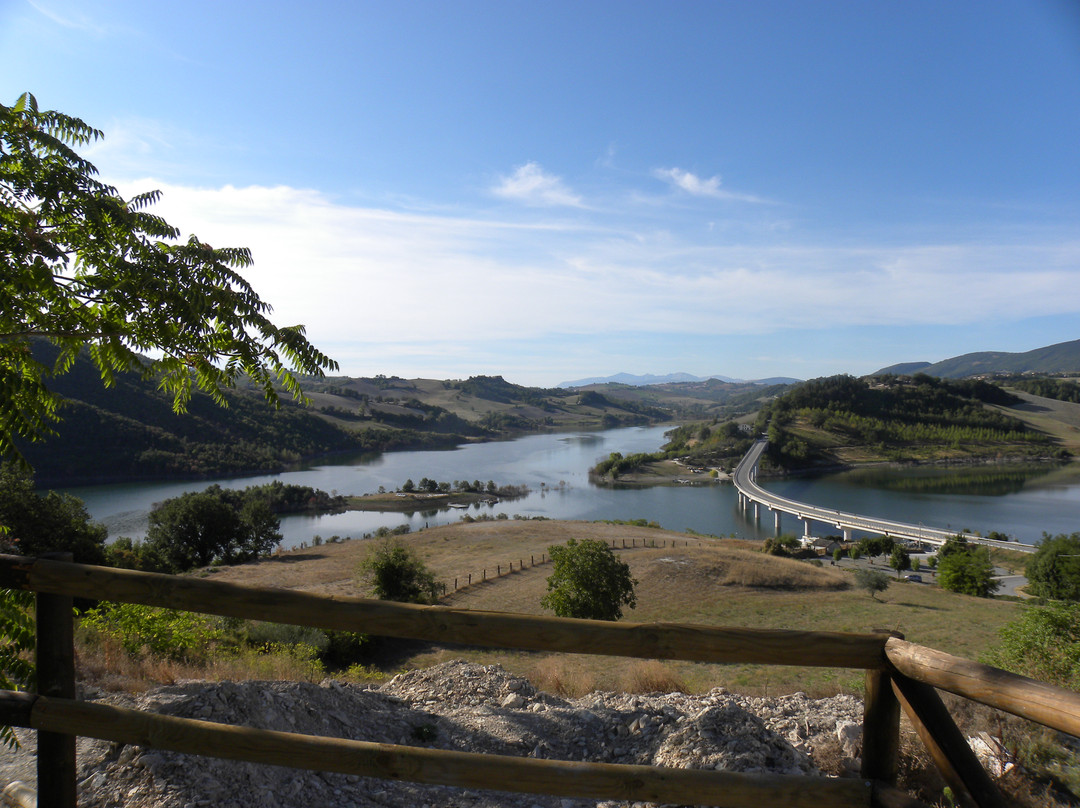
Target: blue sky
555, 190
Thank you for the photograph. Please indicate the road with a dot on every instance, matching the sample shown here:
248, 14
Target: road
745, 479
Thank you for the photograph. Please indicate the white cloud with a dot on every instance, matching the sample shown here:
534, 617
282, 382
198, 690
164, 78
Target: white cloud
388, 285
532, 185
697, 186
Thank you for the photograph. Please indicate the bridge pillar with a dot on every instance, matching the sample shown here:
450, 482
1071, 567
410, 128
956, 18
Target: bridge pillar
757, 511
847, 534
776, 521
806, 528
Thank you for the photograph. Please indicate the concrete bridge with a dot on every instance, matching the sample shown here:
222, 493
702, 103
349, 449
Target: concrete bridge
753, 497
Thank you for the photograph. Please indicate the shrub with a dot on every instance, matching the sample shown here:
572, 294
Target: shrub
162, 632
969, 573
588, 581
1043, 643
872, 581
1054, 569
395, 572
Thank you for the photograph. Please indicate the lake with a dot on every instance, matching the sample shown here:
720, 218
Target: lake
1019, 502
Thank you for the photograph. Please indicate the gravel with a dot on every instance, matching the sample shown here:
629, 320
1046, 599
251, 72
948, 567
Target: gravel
457, 706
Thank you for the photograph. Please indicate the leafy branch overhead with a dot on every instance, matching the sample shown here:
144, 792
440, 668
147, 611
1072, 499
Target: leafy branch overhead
84, 268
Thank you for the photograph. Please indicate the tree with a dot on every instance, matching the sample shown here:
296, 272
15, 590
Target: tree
87, 269
41, 523
197, 529
588, 581
899, 559
969, 573
1054, 569
872, 581
395, 572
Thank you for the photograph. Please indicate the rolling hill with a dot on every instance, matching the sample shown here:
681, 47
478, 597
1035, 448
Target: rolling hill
1064, 357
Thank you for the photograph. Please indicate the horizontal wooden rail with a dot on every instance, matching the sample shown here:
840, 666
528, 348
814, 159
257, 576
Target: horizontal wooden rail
441, 767
1054, 707
442, 624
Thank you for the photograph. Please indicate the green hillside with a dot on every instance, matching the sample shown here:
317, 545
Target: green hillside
841, 420
129, 430
1064, 357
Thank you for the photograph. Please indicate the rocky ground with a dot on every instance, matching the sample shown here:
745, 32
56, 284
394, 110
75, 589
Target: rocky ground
458, 706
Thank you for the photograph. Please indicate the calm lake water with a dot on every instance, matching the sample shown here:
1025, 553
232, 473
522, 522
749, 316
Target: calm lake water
1019, 502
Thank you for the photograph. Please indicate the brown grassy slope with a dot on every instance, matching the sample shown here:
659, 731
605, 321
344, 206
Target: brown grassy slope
711, 582
1058, 419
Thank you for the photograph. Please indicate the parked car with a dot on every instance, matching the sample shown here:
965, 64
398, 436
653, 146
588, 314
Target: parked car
916, 578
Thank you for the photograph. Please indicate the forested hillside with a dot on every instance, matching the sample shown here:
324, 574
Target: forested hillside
129, 430
843, 419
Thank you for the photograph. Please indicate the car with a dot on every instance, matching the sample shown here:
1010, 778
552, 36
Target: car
916, 578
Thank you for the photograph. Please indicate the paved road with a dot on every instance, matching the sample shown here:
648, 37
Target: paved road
745, 479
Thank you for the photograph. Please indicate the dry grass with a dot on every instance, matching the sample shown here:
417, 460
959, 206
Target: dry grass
651, 676
558, 675
706, 581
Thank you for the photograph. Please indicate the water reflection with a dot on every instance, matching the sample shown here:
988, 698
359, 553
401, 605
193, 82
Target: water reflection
991, 481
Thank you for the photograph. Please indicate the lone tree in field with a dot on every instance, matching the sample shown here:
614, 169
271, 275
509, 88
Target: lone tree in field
588, 581
872, 581
395, 572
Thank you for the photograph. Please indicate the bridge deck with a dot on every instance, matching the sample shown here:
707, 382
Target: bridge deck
745, 479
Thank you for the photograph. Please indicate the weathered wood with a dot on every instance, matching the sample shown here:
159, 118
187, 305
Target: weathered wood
443, 624
885, 796
55, 660
881, 729
946, 744
435, 766
881, 725
15, 708
1044, 703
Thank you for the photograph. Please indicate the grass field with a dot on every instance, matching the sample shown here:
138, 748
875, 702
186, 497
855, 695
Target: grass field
703, 581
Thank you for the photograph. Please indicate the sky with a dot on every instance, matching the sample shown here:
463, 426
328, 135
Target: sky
556, 190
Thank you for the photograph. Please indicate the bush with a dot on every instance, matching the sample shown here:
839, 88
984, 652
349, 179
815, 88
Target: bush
1043, 643
395, 572
1054, 569
969, 573
162, 632
588, 581
872, 581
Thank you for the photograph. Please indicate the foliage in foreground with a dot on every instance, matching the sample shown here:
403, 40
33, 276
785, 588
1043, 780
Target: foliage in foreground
1054, 569
173, 636
87, 268
588, 581
1043, 643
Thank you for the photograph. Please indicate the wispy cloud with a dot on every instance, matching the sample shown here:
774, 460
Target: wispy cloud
69, 18
374, 276
531, 185
694, 185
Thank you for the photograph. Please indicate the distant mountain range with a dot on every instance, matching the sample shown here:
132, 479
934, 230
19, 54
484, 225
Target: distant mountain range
670, 378
1064, 357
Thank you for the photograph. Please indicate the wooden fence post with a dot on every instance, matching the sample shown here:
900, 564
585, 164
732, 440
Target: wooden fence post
946, 744
881, 725
56, 677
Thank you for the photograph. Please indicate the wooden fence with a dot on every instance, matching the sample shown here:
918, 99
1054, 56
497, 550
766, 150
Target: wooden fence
898, 675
